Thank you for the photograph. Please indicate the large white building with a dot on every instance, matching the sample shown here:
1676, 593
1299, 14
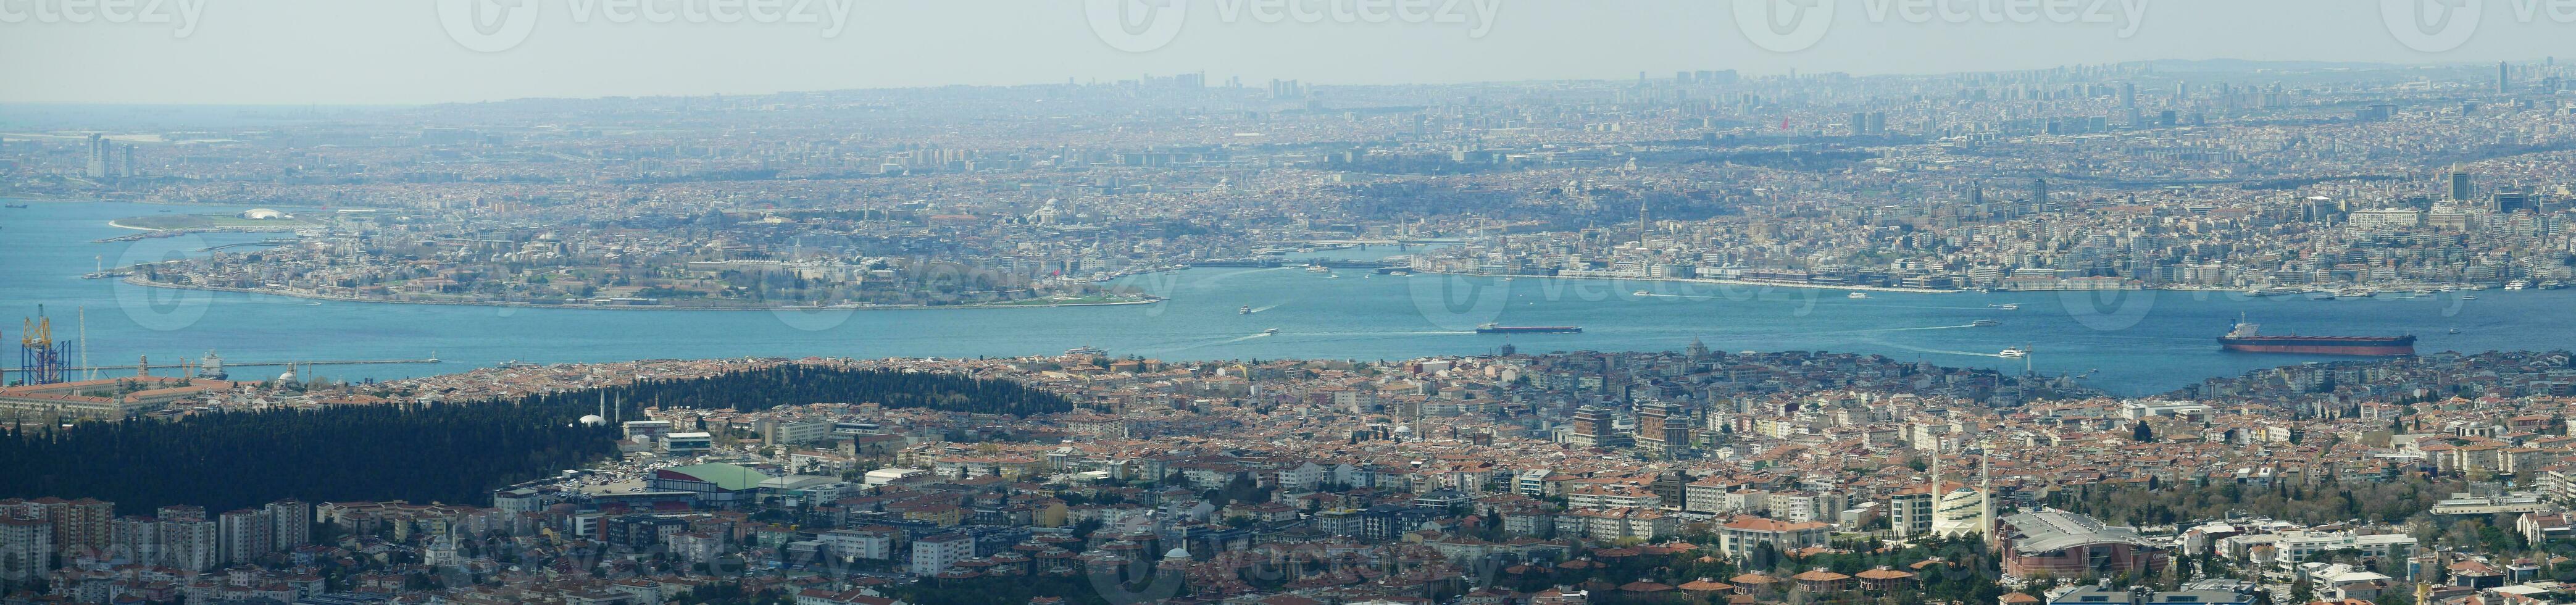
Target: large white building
2292, 547
2387, 218
935, 554
851, 545
1961, 512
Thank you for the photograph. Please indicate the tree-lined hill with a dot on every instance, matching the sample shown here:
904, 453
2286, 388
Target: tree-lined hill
445, 452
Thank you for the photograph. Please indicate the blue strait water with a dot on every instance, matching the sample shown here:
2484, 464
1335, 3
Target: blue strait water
2140, 342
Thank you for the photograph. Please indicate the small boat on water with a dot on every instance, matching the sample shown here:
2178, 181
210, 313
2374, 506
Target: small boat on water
2014, 353
1857, 295
1399, 273
1246, 310
2469, 297
2455, 330
1270, 331
1084, 351
2517, 284
24, 205
1318, 269
1643, 293
2007, 307
1984, 323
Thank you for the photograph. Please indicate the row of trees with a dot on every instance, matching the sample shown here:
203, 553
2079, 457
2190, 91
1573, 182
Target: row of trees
2156, 503
422, 452
226, 460
797, 384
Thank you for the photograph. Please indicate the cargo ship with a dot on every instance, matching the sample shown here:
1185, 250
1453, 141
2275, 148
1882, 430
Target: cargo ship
2248, 337
1502, 329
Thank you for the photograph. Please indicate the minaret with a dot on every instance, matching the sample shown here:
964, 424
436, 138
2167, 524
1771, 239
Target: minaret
1642, 225
1986, 490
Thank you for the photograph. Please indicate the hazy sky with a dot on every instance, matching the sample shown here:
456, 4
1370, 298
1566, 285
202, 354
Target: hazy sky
419, 51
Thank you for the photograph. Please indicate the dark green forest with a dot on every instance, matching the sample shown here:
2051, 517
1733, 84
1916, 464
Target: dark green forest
445, 452
801, 384
455, 452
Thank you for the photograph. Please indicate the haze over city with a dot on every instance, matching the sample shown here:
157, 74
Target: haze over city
297, 52
1287, 302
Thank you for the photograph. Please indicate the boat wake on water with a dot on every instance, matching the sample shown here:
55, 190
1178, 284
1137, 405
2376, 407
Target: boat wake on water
1934, 351
1930, 307
1421, 333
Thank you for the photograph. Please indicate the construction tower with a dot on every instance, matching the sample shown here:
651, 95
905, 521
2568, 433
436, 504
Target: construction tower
40, 357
